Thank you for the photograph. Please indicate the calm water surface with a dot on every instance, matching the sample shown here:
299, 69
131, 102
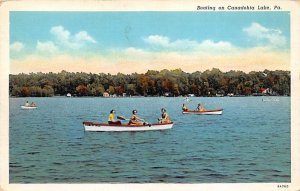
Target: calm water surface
250, 142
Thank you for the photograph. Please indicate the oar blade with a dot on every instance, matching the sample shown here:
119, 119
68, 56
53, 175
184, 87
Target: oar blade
121, 117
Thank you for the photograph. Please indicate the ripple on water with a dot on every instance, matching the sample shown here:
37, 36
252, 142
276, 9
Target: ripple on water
237, 146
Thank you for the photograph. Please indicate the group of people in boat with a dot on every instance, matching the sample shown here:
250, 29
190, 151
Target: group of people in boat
136, 120
30, 105
199, 108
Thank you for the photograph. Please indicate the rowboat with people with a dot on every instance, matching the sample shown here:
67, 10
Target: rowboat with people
29, 106
95, 126
205, 112
135, 123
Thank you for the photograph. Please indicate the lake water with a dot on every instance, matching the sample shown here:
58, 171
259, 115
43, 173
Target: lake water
250, 142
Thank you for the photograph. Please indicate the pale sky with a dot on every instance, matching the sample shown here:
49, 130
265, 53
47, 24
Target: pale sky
128, 42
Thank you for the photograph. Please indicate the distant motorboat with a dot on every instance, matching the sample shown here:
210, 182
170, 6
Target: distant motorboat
69, 95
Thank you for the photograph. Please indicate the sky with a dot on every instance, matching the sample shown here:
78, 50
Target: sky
127, 42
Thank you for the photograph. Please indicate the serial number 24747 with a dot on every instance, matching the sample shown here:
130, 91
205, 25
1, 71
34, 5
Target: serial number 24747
282, 186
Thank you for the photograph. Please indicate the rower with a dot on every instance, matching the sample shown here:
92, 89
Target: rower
135, 120
32, 104
200, 108
184, 108
111, 118
27, 104
164, 116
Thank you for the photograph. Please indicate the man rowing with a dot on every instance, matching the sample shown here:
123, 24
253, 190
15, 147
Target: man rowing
164, 116
200, 108
135, 120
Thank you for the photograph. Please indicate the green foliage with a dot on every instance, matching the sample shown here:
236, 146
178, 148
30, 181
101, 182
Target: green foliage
152, 83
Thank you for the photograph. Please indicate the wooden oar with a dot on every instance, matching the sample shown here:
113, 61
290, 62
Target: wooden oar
122, 118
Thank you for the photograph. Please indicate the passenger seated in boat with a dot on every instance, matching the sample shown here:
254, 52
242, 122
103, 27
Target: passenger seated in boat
111, 118
184, 108
164, 117
32, 104
135, 120
27, 104
200, 108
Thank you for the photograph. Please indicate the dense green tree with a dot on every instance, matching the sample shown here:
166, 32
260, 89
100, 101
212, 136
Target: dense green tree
152, 83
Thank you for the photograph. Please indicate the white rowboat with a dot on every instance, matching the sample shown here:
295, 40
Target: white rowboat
94, 126
206, 112
28, 107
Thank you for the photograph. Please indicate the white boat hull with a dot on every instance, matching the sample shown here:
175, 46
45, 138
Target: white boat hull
208, 112
92, 126
28, 107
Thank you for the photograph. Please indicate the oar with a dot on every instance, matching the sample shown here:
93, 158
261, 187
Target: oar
122, 118
146, 123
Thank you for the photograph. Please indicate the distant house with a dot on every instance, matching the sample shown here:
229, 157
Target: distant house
264, 90
191, 95
69, 95
168, 94
105, 94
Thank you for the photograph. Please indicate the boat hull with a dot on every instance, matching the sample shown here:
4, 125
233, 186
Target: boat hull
93, 126
28, 107
207, 112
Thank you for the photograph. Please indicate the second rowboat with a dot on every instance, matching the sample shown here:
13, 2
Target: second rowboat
206, 112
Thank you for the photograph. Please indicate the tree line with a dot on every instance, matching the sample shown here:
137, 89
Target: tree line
152, 83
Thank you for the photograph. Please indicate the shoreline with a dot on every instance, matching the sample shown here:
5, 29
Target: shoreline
152, 96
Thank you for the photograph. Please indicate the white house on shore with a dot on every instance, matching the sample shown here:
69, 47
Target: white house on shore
105, 94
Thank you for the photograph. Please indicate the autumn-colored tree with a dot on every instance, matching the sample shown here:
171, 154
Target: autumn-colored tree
82, 90
25, 92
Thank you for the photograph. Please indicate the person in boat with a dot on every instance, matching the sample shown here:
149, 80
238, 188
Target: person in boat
164, 116
200, 108
111, 118
184, 108
32, 104
27, 104
135, 120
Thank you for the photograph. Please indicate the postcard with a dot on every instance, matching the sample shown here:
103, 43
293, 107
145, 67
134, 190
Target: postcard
150, 95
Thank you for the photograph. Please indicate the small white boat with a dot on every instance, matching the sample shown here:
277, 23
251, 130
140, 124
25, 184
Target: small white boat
206, 112
94, 126
270, 99
186, 99
28, 107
